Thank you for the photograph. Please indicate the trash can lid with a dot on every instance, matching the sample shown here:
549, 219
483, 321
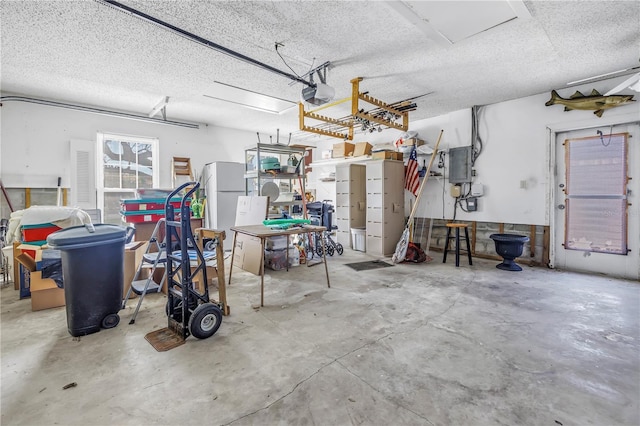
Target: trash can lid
81, 235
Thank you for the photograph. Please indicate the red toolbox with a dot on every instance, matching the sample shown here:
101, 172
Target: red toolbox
142, 216
148, 204
38, 232
145, 216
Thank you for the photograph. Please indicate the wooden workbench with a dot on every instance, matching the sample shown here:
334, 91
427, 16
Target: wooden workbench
263, 232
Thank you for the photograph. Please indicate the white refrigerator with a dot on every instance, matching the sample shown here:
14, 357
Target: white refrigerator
223, 182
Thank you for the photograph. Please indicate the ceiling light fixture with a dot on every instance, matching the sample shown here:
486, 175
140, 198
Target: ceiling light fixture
100, 111
603, 76
161, 106
250, 99
446, 23
632, 83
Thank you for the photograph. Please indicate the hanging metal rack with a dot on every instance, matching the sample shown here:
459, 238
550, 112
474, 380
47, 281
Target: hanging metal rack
382, 116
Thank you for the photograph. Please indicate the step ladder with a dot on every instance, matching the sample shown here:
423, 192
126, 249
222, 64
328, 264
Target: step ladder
151, 260
181, 166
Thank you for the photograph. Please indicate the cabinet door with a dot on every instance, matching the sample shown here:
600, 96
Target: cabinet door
374, 215
343, 200
375, 201
344, 236
393, 202
374, 245
343, 225
375, 169
342, 174
374, 228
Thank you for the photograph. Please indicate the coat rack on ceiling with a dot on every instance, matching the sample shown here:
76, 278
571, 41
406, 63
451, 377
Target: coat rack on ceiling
383, 116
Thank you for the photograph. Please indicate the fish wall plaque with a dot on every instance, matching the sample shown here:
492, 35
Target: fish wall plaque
595, 101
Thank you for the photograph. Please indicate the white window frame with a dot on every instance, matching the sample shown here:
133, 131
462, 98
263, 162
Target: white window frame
100, 188
595, 192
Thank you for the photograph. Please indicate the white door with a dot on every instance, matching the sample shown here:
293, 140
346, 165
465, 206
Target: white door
596, 216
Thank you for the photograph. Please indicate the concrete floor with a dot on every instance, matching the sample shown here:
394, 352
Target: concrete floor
426, 344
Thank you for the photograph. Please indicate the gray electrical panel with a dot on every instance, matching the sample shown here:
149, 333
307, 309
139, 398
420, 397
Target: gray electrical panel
460, 164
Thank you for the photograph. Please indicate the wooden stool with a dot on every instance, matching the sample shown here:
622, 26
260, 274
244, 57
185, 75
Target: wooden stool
457, 227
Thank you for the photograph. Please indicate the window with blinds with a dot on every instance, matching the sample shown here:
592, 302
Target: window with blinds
596, 194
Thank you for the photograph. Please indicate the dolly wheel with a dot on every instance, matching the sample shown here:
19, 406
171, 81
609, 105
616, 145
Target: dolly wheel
205, 320
340, 249
110, 321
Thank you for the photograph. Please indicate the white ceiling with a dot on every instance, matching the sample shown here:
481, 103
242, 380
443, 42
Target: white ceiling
88, 53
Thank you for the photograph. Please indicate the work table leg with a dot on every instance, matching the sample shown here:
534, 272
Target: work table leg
233, 251
324, 258
262, 271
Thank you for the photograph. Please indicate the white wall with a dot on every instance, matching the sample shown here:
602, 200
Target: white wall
516, 148
34, 144
34, 149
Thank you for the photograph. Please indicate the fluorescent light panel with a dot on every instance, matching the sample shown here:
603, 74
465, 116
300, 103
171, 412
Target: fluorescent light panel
448, 22
249, 99
595, 77
458, 20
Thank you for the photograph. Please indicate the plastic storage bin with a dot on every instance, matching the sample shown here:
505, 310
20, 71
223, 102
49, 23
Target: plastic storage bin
358, 239
93, 271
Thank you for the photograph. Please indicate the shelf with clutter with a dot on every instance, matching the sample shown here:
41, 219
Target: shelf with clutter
381, 116
279, 172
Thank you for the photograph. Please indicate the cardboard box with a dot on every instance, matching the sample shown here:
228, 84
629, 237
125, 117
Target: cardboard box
212, 274
27, 257
387, 155
132, 258
248, 253
412, 141
343, 149
362, 148
45, 294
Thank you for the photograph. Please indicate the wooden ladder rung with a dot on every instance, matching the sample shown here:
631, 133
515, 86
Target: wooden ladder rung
181, 166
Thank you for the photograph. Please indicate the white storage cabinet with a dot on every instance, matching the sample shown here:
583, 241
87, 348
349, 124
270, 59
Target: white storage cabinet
385, 206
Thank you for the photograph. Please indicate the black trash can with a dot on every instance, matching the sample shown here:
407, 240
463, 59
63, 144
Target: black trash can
93, 274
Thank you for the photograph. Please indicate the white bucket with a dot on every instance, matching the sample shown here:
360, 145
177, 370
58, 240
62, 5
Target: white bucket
358, 238
8, 257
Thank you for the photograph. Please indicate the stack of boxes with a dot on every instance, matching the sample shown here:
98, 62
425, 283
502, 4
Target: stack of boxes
346, 149
34, 258
146, 209
44, 292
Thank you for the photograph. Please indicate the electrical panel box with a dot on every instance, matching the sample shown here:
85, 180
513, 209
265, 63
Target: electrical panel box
472, 204
477, 190
460, 164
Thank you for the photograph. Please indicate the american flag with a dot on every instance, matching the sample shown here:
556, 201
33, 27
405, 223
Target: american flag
411, 176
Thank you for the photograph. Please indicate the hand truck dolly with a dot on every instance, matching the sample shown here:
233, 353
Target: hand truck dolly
189, 312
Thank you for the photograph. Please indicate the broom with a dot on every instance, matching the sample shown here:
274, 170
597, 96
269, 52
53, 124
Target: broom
401, 247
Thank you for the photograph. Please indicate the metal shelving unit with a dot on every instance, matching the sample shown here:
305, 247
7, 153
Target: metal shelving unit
255, 177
